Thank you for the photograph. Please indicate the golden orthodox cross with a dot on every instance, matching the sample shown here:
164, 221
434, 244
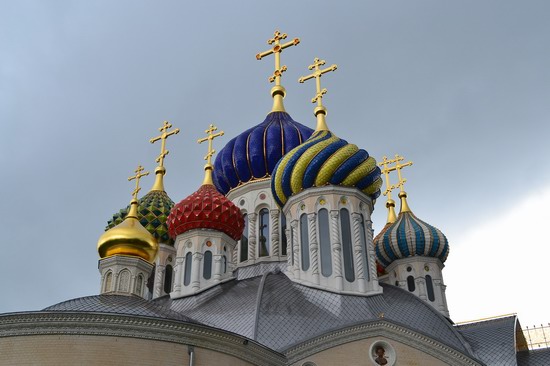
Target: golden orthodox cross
211, 136
398, 167
164, 135
137, 177
317, 75
276, 50
386, 171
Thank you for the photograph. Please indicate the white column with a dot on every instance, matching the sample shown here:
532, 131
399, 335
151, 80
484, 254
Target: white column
159, 281
289, 251
358, 251
252, 236
178, 274
217, 268
195, 275
295, 247
274, 233
313, 246
336, 248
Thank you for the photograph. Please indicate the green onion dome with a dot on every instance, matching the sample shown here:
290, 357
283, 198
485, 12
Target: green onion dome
325, 159
153, 210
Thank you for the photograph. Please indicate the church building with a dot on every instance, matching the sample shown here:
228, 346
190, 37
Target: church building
272, 261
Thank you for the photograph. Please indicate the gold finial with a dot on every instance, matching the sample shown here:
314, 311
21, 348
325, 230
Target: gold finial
402, 194
160, 170
277, 92
208, 157
390, 203
320, 111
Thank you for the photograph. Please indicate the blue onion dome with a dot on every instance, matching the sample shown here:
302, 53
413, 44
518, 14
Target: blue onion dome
153, 210
253, 154
409, 236
325, 159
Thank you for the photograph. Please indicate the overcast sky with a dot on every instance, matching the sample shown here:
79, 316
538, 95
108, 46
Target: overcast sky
460, 88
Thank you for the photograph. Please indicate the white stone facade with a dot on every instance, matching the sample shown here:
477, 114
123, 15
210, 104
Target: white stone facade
421, 276
164, 271
265, 224
331, 240
204, 259
124, 275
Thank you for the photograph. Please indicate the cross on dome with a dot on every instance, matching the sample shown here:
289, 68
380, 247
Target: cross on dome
277, 92
137, 177
208, 157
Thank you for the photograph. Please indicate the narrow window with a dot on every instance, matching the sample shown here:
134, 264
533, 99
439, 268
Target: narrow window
124, 281
364, 246
324, 240
410, 283
283, 235
187, 273
168, 273
291, 246
304, 241
224, 263
207, 265
139, 284
108, 281
264, 232
430, 288
244, 241
347, 247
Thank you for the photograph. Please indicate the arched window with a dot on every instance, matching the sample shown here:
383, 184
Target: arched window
168, 273
139, 284
363, 238
187, 273
410, 283
207, 265
108, 281
304, 242
264, 232
430, 288
324, 241
224, 263
124, 281
244, 241
283, 235
347, 247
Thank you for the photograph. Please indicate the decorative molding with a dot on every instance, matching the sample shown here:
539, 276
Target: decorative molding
380, 328
112, 325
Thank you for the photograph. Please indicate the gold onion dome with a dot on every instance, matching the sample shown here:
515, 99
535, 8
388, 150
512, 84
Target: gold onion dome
129, 237
324, 159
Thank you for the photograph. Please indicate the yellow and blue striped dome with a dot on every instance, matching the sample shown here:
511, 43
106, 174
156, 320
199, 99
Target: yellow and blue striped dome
409, 236
322, 160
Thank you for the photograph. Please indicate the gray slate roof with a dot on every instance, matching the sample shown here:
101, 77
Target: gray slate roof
493, 341
118, 304
539, 357
280, 313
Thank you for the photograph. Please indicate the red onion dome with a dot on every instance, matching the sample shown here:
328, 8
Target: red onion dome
206, 209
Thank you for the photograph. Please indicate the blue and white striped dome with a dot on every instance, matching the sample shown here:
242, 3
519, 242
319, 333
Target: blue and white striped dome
409, 236
254, 153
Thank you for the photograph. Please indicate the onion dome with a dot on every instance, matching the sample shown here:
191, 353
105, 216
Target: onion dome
206, 208
253, 154
153, 210
325, 159
409, 236
129, 237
